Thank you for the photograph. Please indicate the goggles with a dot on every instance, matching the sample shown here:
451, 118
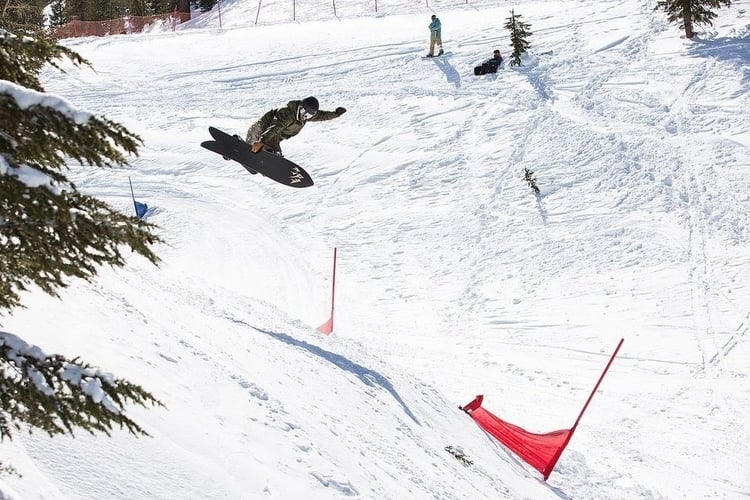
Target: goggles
303, 114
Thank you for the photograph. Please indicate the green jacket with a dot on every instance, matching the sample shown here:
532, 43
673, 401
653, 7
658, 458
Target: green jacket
435, 29
279, 124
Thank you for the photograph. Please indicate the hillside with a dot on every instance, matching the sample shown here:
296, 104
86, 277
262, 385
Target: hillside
453, 278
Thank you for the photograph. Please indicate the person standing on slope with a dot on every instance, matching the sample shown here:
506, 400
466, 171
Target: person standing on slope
283, 123
435, 36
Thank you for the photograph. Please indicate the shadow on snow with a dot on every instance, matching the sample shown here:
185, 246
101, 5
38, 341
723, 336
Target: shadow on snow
367, 376
727, 49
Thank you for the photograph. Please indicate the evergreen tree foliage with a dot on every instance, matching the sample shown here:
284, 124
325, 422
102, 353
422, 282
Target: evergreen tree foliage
57, 13
156, 6
138, 8
530, 178
99, 10
21, 15
204, 5
56, 394
79, 10
691, 12
162, 6
519, 32
112, 9
49, 229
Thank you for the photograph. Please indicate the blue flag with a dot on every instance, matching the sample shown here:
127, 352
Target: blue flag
140, 208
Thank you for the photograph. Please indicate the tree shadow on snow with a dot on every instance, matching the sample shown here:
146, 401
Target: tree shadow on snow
538, 78
736, 50
540, 206
367, 376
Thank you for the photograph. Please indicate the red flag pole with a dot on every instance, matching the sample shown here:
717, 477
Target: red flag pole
606, 369
327, 327
548, 470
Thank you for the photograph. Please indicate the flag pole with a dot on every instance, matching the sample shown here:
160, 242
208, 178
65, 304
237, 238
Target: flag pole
548, 470
606, 369
327, 327
132, 194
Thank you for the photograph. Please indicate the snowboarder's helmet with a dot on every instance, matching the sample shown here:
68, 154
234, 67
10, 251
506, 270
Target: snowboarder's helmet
434, 16
310, 104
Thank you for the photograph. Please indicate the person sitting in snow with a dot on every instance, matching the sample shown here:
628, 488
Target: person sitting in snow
283, 123
490, 65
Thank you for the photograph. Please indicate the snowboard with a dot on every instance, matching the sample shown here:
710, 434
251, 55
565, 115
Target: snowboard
444, 54
266, 163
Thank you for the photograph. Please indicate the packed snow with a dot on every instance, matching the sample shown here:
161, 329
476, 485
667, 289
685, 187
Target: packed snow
453, 277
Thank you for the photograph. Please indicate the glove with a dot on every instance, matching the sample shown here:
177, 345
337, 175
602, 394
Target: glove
256, 147
340, 111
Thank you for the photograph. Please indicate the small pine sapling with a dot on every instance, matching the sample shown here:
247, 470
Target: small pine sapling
530, 178
519, 32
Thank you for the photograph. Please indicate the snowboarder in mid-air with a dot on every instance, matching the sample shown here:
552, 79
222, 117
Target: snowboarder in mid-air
283, 123
435, 36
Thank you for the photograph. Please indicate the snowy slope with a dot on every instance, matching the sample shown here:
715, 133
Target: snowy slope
453, 278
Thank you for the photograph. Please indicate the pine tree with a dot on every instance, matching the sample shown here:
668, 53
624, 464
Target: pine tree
519, 32
154, 7
691, 12
50, 231
95, 10
21, 15
100, 10
56, 394
204, 5
84, 10
57, 13
76, 9
530, 178
138, 8
163, 6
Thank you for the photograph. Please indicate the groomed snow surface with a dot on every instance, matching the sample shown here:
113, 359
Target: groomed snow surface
453, 278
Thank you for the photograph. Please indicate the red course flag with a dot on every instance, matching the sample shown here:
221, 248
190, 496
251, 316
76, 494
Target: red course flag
541, 451
538, 450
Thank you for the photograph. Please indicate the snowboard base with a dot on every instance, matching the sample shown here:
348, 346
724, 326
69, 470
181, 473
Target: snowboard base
271, 165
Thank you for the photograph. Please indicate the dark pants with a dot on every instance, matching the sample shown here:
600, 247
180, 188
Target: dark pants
485, 68
254, 133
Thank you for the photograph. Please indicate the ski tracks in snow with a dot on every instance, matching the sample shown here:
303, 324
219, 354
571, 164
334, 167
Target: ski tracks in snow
713, 215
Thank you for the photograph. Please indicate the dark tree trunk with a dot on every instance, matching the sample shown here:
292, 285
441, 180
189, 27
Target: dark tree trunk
687, 19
